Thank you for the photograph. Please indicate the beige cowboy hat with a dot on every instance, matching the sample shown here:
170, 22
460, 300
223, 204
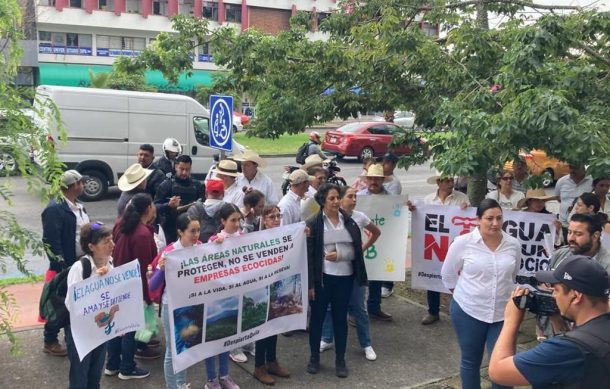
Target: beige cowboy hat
133, 176
226, 167
312, 160
538, 194
375, 170
437, 176
251, 156
299, 176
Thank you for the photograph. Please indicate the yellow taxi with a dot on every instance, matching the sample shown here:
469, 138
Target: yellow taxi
538, 163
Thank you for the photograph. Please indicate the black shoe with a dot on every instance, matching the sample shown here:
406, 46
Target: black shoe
341, 369
380, 315
314, 365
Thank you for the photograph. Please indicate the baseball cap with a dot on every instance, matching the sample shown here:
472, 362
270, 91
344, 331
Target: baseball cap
70, 177
580, 273
299, 176
214, 186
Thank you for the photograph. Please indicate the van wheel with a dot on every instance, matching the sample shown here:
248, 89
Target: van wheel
96, 185
7, 162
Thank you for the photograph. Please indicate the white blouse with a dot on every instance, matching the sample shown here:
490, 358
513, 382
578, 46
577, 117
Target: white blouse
482, 279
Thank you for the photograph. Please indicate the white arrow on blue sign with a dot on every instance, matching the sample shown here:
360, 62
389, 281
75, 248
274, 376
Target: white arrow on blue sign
221, 122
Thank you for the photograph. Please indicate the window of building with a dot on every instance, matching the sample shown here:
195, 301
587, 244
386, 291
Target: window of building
429, 29
321, 16
160, 7
75, 4
233, 13
132, 6
44, 36
205, 53
185, 7
114, 46
210, 10
70, 43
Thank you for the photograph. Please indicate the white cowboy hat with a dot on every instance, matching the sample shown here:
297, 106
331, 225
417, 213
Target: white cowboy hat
133, 176
249, 155
312, 160
437, 176
375, 170
226, 167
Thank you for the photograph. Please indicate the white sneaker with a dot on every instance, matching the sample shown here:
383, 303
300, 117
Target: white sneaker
238, 356
325, 346
369, 353
385, 292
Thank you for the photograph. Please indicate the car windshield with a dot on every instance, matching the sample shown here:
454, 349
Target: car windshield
352, 127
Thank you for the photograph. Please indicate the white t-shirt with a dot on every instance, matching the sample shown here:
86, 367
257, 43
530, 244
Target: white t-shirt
345, 251
76, 274
290, 208
81, 219
506, 202
361, 219
568, 190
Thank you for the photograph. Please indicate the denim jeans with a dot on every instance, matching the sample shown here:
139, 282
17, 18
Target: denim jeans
85, 374
51, 332
336, 291
172, 380
357, 310
473, 335
374, 300
265, 350
120, 353
434, 302
223, 362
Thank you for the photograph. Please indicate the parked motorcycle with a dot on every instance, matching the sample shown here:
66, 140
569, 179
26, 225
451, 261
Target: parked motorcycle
331, 167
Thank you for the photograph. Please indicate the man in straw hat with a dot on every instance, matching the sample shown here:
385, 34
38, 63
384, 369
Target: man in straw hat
578, 359
290, 204
61, 223
374, 186
133, 181
311, 161
226, 170
252, 177
444, 195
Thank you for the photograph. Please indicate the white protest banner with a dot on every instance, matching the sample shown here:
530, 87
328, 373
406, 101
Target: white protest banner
222, 296
435, 227
385, 260
102, 308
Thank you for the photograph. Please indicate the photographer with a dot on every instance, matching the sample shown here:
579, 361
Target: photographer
577, 359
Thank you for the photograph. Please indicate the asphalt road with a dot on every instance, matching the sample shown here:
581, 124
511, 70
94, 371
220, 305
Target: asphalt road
27, 207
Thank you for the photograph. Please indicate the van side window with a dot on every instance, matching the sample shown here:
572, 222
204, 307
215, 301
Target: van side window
201, 127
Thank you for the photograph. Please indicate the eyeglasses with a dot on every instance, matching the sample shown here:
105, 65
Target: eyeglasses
275, 216
508, 178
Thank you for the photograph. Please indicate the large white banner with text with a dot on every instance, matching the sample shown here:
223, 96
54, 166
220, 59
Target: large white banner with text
435, 227
102, 308
385, 260
222, 296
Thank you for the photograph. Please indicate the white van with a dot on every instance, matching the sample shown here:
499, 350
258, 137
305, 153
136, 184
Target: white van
106, 127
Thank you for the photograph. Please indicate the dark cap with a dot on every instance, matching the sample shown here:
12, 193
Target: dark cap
580, 273
391, 157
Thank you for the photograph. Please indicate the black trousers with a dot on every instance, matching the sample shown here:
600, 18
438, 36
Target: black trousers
336, 291
265, 351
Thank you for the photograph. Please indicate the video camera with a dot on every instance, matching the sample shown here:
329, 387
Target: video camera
536, 301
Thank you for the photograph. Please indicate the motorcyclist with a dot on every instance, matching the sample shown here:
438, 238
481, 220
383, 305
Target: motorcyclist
166, 163
314, 145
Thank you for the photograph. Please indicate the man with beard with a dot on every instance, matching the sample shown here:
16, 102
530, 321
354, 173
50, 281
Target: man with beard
584, 233
177, 195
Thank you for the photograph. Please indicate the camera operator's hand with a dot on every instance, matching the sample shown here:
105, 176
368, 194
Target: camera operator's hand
512, 314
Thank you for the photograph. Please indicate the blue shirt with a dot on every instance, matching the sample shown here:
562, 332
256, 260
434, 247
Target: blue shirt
557, 360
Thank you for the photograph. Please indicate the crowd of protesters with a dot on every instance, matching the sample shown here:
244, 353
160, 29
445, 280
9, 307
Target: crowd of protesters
163, 208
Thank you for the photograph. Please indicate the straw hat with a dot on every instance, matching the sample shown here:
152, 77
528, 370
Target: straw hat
538, 194
226, 167
312, 160
251, 156
375, 170
133, 176
437, 176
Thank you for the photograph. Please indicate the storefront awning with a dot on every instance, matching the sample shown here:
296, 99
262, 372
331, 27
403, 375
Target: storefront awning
78, 75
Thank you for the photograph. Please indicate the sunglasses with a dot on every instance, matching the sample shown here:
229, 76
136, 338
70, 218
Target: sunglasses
508, 178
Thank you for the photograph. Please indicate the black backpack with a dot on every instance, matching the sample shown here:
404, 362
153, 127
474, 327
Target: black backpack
52, 306
209, 225
302, 153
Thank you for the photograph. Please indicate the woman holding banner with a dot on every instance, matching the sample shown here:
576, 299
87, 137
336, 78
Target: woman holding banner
265, 360
188, 235
96, 242
480, 270
134, 238
335, 258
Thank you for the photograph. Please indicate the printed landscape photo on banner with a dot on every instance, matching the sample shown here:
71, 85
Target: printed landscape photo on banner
222, 318
286, 297
188, 322
254, 311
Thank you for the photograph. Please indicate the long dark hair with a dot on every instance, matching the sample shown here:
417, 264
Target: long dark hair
136, 207
252, 197
485, 205
225, 211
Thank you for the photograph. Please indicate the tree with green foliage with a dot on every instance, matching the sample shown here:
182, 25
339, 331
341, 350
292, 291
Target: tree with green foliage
20, 138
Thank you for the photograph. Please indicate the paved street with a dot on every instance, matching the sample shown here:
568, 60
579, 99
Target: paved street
28, 208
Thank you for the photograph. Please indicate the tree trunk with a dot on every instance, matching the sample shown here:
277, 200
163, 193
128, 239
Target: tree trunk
477, 188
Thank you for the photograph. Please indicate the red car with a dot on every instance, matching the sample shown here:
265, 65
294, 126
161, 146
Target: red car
362, 140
